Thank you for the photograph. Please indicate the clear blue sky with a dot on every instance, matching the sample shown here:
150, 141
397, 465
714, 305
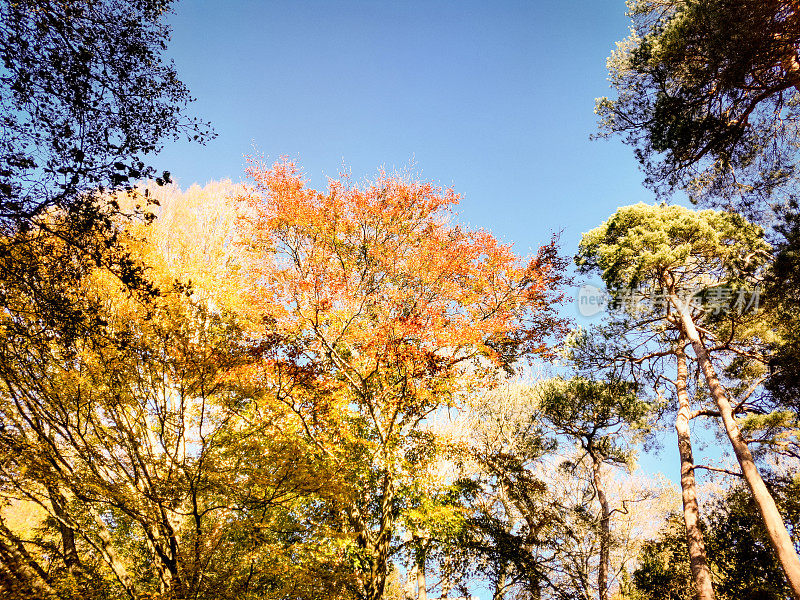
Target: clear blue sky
493, 98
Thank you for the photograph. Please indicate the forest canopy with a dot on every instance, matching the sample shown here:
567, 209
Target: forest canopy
281, 389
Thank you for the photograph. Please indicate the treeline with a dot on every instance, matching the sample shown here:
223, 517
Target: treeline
264, 390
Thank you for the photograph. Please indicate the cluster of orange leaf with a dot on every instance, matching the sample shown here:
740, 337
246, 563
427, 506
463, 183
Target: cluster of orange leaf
381, 275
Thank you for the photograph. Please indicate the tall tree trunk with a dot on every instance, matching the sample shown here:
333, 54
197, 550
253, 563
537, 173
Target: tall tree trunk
691, 513
605, 528
500, 586
71, 558
422, 586
536, 592
776, 529
111, 557
378, 546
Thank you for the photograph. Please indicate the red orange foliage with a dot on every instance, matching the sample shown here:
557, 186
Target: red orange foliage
380, 276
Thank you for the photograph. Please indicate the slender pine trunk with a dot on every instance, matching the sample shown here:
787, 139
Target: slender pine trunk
605, 529
691, 512
776, 528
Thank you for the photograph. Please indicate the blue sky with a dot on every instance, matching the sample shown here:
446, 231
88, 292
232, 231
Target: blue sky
493, 98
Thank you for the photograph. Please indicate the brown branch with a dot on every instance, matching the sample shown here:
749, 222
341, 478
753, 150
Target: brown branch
718, 470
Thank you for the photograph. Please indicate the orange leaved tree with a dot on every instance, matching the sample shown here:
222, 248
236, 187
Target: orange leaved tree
393, 312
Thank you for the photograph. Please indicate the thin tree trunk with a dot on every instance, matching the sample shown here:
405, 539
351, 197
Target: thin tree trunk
111, 557
691, 513
71, 558
500, 586
605, 529
776, 528
536, 592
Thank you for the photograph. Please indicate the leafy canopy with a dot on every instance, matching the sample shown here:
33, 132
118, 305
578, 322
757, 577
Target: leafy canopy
86, 94
599, 415
706, 94
380, 277
672, 246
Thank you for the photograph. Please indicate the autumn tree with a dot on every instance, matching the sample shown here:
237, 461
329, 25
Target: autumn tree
146, 443
678, 253
116, 430
706, 95
395, 312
